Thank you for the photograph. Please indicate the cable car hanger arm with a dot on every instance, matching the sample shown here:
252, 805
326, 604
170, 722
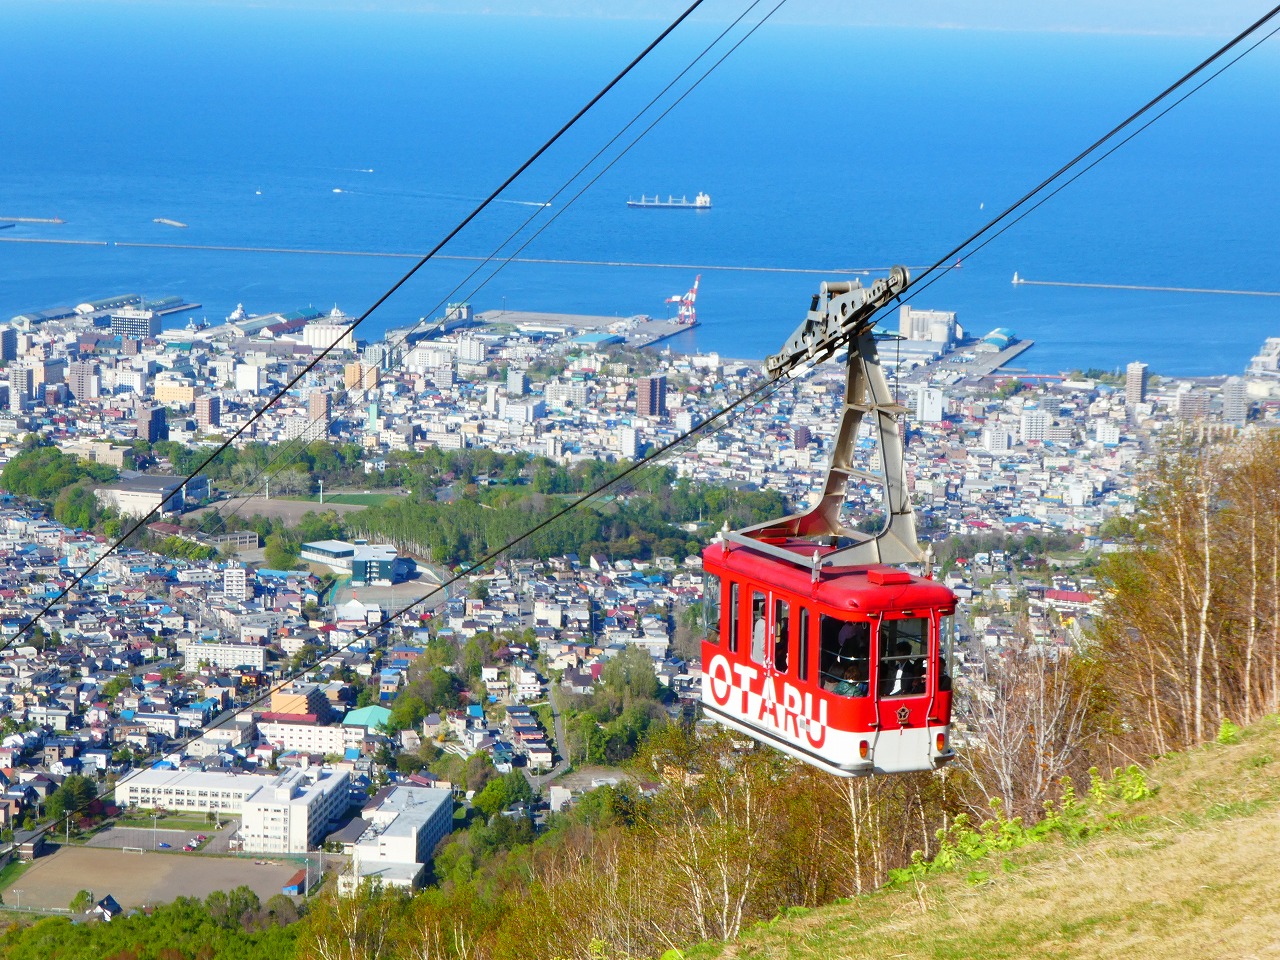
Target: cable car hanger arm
841, 316
841, 310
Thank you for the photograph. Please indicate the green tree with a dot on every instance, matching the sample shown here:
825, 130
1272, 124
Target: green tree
518, 788
630, 673
44, 473
115, 686
493, 799
77, 507
407, 712
281, 552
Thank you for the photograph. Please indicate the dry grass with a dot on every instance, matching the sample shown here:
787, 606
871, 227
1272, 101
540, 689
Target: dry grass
1192, 872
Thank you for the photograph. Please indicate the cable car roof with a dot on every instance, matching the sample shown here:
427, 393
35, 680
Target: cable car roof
854, 589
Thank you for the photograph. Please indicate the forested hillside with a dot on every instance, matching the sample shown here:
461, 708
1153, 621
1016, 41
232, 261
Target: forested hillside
1174, 862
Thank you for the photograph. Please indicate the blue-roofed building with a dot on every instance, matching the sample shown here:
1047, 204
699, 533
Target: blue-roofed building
597, 340
999, 339
389, 682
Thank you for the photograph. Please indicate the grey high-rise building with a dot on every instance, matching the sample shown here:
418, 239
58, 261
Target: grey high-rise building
1135, 383
22, 380
82, 380
1191, 403
8, 344
1235, 401
153, 424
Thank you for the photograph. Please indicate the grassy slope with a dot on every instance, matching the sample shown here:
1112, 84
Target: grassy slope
1191, 872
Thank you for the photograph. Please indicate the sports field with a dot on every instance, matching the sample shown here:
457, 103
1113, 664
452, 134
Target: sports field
138, 879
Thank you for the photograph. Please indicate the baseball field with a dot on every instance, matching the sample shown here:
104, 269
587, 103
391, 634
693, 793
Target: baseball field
138, 879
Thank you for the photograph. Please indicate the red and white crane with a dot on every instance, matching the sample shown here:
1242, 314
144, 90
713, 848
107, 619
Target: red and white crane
687, 313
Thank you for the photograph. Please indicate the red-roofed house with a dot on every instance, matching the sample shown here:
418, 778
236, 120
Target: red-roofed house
1068, 599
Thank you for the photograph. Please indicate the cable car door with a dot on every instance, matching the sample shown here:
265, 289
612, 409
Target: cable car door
903, 683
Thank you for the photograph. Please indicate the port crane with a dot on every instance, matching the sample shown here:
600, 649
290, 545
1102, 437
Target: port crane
687, 313
819, 643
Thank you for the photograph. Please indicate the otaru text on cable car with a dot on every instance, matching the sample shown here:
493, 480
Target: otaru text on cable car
820, 644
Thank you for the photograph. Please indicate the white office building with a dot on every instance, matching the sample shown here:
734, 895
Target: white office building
995, 439
188, 790
250, 378
1035, 425
294, 812
930, 404
1107, 433
1235, 401
310, 737
225, 654
404, 828
236, 584
628, 443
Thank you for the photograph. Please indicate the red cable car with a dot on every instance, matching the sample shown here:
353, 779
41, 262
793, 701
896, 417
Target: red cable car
819, 645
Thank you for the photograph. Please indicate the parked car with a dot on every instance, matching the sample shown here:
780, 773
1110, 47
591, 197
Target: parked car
163, 846
201, 837
187, 847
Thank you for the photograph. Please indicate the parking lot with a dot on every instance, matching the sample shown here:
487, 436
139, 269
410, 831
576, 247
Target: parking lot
119, 837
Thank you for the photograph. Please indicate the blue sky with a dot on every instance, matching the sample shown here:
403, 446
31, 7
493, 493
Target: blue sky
1156, 17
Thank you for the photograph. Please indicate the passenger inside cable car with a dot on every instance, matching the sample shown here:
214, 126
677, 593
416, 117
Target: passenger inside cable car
904, 657
758, 632
845, 656
854, 682
781, 635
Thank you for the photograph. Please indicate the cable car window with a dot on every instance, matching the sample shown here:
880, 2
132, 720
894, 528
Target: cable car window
844, 656
946, 637
711, 608
904, 655
758, 629
802, 667
733, 618
781, 634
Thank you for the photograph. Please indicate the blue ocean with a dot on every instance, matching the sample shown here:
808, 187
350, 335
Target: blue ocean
822, 149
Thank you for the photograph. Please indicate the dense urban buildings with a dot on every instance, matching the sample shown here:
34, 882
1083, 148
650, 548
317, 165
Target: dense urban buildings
159, 647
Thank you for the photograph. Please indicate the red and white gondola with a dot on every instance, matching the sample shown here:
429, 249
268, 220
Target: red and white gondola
819, 643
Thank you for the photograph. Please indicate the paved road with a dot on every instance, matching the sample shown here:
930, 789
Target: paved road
220, 839
537, 782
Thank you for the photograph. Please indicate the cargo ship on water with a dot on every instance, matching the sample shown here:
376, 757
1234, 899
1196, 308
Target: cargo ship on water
701, 202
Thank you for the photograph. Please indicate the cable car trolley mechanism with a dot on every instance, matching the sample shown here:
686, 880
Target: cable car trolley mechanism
826, 648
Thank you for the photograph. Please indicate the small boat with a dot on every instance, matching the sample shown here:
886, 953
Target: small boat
169, 223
